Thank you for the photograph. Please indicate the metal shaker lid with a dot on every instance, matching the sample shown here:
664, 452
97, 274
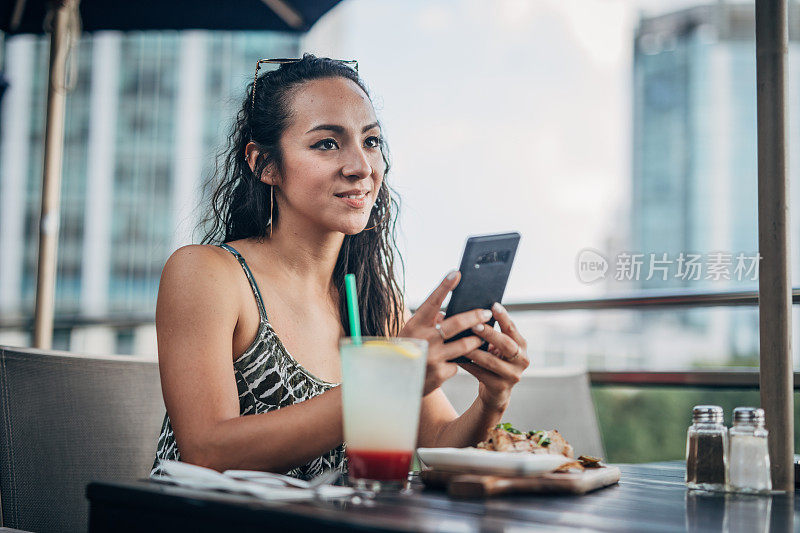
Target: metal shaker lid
748, 415
707, 413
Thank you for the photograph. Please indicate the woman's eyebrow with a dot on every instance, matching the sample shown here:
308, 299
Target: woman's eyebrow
340, 129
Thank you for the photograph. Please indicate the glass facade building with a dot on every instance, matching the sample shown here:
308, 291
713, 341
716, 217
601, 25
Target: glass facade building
695, 171
144, 122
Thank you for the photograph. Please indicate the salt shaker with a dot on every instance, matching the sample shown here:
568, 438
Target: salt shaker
706, 449
749, 454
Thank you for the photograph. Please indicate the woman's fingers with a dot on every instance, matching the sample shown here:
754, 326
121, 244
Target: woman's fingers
507, 325
487, 361
463, 321
506, 345
430, 307
483, 375
459, 347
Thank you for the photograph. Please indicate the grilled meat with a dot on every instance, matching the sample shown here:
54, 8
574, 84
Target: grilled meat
558, 444
501, 440
504, 438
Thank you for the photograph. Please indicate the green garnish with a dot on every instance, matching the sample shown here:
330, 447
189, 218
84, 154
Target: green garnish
540, 437
508, 427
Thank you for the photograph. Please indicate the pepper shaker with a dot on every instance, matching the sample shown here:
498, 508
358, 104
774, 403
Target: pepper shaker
749, 453
706, 449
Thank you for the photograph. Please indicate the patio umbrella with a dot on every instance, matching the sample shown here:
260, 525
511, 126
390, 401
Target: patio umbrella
65, 20
27, 16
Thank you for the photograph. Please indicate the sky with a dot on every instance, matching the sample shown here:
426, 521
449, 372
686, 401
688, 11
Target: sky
510, 115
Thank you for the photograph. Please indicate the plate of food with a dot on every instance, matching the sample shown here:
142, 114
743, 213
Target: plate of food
506, 451
512, 461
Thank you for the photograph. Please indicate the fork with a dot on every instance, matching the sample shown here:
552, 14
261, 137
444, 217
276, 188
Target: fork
357, 497
271, 478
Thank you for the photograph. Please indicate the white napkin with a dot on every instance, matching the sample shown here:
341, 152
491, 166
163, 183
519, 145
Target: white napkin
201, 478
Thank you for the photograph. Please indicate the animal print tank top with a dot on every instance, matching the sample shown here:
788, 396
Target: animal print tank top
267, 378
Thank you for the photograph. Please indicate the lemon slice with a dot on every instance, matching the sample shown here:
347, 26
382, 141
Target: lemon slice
397, 348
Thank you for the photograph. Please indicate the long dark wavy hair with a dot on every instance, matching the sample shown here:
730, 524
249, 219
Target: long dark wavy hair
240, 201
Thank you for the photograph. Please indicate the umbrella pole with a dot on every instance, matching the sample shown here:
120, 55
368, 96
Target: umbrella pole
51, 179
774, 286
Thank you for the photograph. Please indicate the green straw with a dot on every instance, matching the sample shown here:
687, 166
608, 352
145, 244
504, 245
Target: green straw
352, 308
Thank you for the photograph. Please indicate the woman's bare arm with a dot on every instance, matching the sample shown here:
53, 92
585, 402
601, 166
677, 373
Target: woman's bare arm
196, 315
496, 374
440, 425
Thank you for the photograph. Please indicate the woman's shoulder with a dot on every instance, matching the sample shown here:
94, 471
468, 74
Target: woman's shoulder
199, 277
200, 264
199, 255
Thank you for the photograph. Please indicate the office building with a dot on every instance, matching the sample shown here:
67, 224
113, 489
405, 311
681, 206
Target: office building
147, 115
695, 169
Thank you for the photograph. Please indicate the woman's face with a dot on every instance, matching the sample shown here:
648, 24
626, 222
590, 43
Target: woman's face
332, 163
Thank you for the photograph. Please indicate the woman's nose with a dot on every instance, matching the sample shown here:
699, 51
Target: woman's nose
357, 164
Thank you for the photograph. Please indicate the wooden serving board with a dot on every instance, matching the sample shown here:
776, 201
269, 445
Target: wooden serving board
461, 485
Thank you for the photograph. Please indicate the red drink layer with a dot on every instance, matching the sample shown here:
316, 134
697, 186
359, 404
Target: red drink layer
386, 465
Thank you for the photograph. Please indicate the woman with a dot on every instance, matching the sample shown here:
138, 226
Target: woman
302, 200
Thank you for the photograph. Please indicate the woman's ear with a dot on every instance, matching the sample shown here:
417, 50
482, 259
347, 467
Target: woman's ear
251, 152
251, 156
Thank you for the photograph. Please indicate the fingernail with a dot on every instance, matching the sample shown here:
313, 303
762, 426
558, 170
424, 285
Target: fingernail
486, 314
497, 307
452, 275
477, 328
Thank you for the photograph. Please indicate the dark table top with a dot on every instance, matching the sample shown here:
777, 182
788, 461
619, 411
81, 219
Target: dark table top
649, 497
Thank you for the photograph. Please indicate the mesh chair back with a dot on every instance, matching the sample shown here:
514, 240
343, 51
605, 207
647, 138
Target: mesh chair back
556, 398
66, 420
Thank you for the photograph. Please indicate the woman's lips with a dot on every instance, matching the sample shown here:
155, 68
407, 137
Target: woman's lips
357, 203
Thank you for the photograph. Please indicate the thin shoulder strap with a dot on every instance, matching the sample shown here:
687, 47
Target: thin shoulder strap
253, 285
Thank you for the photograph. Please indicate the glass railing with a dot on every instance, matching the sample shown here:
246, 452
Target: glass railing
643, 410
706, 339
645, 423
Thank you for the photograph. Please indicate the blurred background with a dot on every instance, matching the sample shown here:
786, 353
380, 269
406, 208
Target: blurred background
619, 131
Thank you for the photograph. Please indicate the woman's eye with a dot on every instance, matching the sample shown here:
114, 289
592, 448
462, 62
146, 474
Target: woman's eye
326, 144
373, 142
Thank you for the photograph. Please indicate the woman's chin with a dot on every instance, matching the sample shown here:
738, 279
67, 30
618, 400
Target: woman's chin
354, 231
353, 227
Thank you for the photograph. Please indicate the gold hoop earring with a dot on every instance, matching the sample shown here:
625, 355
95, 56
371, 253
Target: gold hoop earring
385, 216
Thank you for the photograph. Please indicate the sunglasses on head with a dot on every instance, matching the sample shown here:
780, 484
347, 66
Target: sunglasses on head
284, 61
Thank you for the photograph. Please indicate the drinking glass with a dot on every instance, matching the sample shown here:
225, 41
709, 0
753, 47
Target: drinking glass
382, 380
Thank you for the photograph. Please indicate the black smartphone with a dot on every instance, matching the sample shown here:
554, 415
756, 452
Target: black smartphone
485, 267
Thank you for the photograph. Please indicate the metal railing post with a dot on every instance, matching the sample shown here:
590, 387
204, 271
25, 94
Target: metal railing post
775, 308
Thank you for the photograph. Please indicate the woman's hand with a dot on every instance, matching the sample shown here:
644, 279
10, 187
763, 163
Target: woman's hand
499, 369
429, 324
